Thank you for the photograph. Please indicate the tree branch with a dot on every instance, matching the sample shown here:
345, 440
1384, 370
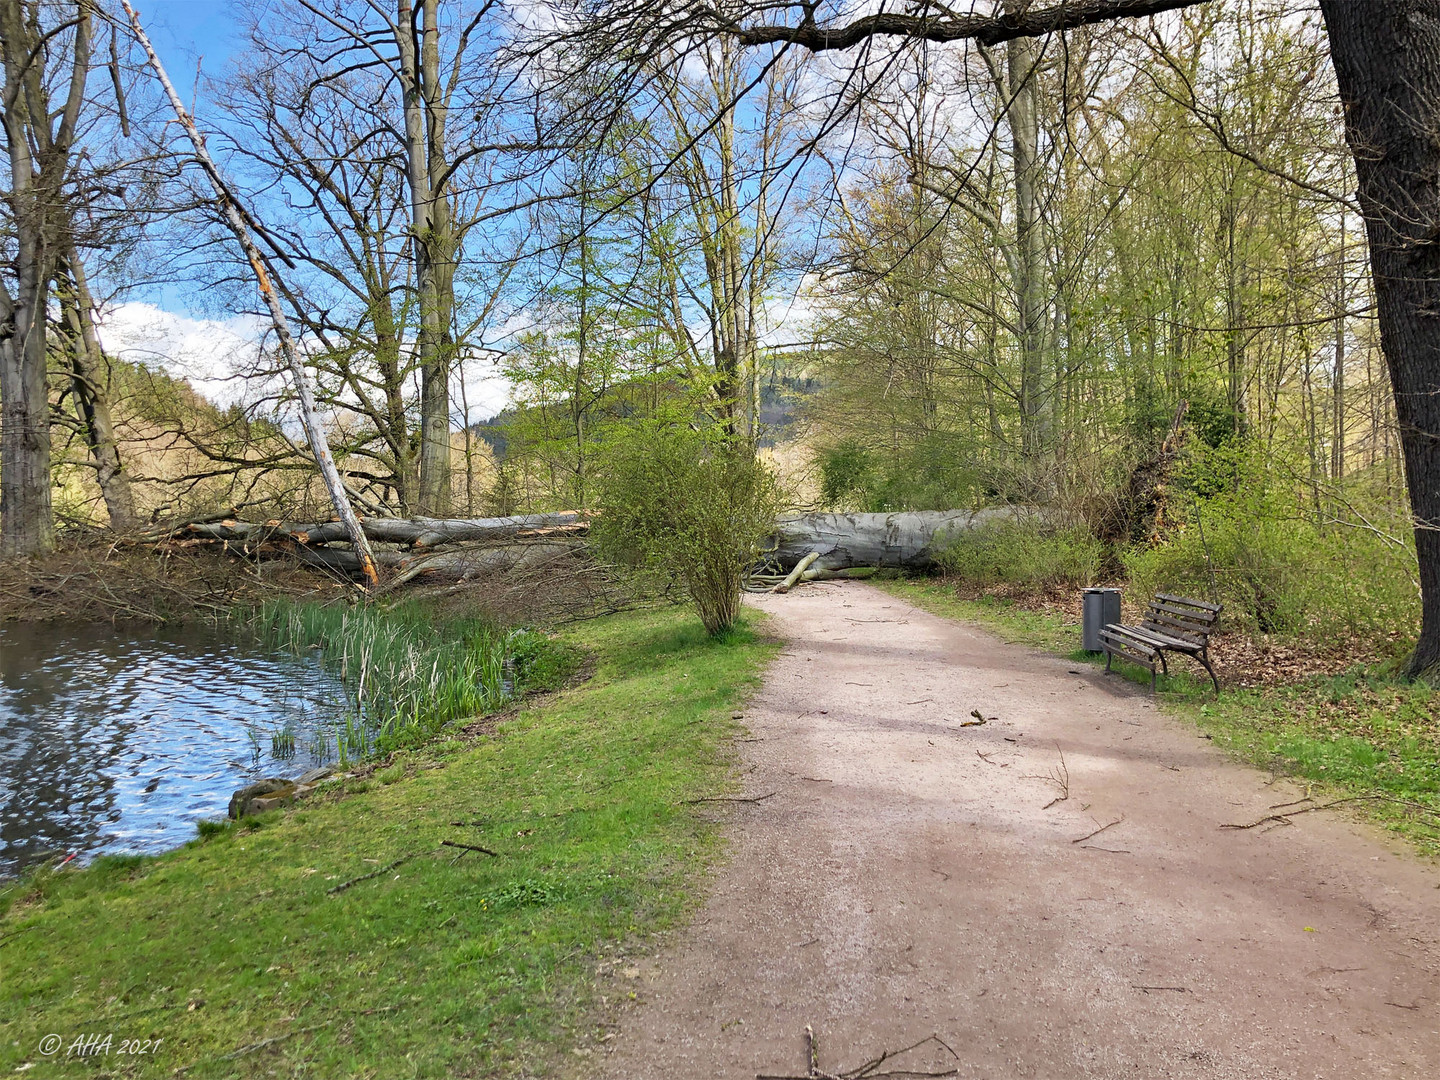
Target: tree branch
931, 24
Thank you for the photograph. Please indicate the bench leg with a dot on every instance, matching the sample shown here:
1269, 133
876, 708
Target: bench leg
1204, 659
1152, 676
1164, 665
1108, 657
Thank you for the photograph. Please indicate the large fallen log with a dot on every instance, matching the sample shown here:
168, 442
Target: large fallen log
458, 548
910, 540
457, 565
410, 532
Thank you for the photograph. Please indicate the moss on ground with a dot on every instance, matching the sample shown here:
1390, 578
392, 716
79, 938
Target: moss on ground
235, 952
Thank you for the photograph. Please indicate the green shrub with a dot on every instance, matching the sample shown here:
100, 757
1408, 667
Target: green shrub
687, 506
1285, 575
932, 473
846, 473
1025, 554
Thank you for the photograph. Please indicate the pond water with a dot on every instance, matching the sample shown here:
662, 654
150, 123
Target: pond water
121, 740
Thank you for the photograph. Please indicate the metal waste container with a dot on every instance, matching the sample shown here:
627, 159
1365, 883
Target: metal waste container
1100, 607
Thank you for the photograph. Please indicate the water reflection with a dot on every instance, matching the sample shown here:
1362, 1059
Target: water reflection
120, 740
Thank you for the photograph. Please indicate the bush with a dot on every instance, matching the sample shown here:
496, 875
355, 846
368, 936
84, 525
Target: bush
688, 506
1024, 554
1285, 574
846, 473
1244, 537
931, 473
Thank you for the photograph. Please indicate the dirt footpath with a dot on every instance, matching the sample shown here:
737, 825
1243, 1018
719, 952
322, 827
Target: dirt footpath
913, 876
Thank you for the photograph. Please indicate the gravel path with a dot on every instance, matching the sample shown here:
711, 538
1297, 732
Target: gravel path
912, 876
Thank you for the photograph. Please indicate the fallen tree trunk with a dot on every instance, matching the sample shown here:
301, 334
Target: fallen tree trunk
909, 540
446, 565
410, 532
804, 547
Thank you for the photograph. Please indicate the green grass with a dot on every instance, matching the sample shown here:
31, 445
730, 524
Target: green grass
1361, 733
233, 952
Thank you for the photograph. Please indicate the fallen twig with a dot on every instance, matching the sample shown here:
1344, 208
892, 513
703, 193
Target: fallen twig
729, 798
1060, 778
1285, 815
249, 1048
373, 874
465, 849
867, 1071
1097, 832
16, 933
1147, 989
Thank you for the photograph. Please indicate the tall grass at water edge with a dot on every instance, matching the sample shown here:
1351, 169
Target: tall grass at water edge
407, 675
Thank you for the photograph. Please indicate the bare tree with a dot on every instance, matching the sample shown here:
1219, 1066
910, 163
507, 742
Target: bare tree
421, 71
314, 429
39, 139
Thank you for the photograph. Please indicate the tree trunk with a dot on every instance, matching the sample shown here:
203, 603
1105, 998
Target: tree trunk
309, 415
1387, 65
424, 108
1029, 244
38, 141
1337, 381
90, 384
413, 532
909, 540
25, 516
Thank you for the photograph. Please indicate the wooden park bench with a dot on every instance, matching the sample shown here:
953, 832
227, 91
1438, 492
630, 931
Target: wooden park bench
1173, 624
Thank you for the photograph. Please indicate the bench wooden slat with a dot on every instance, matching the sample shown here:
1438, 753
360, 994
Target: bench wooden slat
1217, 608
1172, 624
1184, 633
1145, 661
1187, 629
1158, 611
1161, 640
1208, 618
1126, 635
1130, 647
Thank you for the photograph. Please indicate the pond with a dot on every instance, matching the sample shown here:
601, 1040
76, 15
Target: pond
116, 740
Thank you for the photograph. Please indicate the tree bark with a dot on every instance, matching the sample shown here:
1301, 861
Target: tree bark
39, 160
1337, 380
1022, 115
1387, 65
424, 103
412, 532
89, 383
909, 541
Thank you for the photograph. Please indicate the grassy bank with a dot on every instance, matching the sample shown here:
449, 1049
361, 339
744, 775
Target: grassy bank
237, 952
1360, 733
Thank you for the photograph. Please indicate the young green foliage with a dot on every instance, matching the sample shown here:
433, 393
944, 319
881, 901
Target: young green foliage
683, 505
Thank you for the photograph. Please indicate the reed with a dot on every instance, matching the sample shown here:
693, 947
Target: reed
408, 675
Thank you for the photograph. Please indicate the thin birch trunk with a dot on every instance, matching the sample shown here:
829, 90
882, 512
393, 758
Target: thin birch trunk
89, 383
310, 417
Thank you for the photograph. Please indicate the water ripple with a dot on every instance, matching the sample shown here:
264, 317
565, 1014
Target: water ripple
120, 740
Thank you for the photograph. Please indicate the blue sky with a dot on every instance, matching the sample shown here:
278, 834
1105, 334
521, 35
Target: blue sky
185, 29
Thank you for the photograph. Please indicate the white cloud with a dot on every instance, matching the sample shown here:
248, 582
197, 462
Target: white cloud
218, 356
211, 353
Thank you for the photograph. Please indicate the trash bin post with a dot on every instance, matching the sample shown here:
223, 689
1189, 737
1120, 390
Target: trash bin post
1099, 608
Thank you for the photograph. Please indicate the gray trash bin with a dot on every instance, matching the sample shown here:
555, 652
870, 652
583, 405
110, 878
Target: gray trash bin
1100, 608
